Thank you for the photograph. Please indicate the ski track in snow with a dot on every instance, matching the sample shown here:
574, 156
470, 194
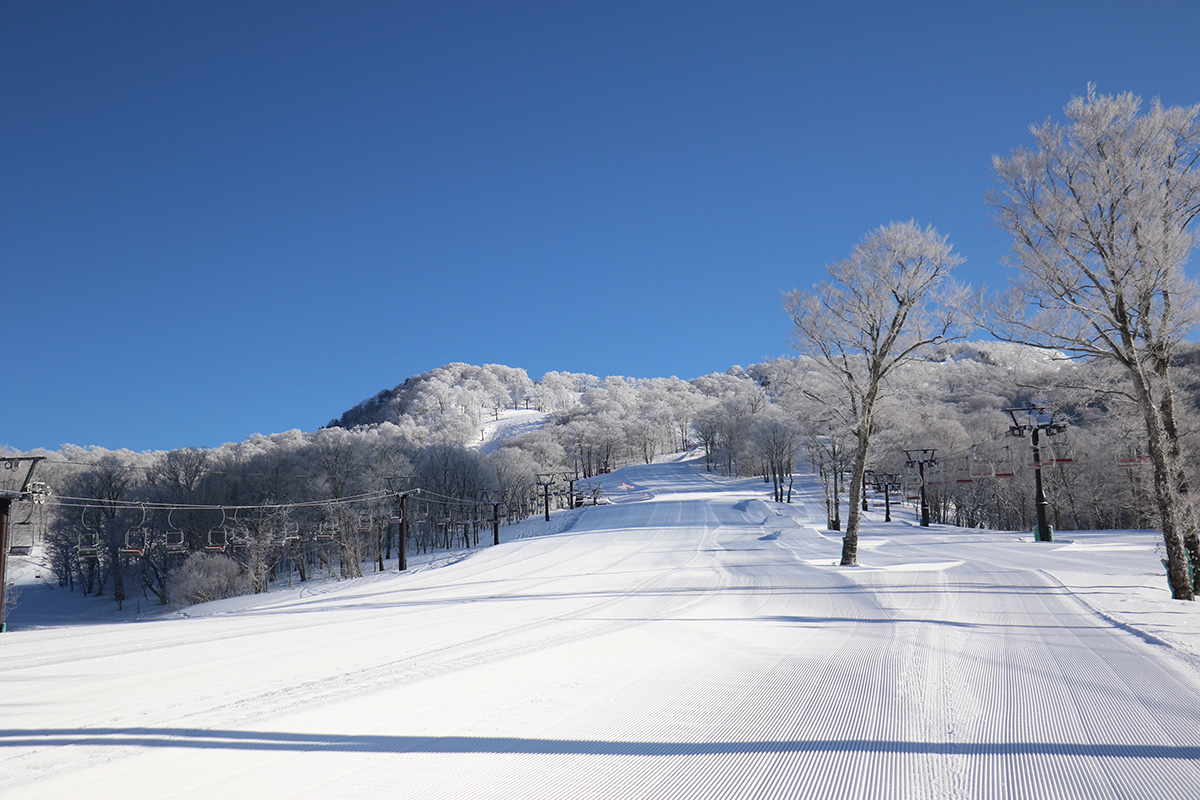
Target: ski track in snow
689, 640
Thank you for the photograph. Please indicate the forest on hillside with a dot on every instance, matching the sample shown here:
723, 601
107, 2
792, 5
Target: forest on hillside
196, 524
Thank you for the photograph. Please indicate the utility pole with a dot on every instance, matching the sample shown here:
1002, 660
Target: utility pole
918, 459
1032, 420
14, 486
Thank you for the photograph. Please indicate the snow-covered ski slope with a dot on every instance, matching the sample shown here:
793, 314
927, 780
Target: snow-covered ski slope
689, 640
507, 424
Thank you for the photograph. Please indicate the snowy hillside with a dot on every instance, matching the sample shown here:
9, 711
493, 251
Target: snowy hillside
687, 640
508, 423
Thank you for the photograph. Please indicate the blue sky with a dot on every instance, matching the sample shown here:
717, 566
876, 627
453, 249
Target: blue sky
227, 218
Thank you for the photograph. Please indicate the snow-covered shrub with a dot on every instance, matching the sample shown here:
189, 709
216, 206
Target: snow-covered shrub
10, 597
204, 577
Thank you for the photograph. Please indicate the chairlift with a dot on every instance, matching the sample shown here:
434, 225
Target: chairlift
218, 537
174, 537
88, 546
1061, 447
364, 523
1005, 468
290, 533
937, 478
135, 542
15, 549
135, 538
1134, 459
1047, 456
237, 536
1050, 457
980, 468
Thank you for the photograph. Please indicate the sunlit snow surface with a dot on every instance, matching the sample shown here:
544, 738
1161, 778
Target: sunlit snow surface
688, 640
507, 424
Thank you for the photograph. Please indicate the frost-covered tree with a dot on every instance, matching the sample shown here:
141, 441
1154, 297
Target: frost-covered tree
776, 437
204, 578
887, 302
1102, 213
559, 391
728, 404
515, 470
518, 388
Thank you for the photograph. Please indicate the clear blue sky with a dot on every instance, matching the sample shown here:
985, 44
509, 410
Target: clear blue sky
227, 218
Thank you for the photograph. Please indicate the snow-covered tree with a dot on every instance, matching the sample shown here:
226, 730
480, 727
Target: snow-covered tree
1101, 211
887, 302
776, 437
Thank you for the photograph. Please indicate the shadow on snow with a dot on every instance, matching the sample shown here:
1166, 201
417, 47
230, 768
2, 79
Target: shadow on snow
267, 740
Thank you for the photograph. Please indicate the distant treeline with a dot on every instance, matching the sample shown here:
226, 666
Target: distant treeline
290, 506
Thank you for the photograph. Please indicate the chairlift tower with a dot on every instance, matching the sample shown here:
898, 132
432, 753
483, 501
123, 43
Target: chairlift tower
918, 459
571, 478
495, 503
546, 480
401, 487
1034, 420
886, 482
16, 475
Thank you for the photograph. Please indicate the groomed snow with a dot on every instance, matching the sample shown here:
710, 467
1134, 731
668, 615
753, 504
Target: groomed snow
688, 640
508, 423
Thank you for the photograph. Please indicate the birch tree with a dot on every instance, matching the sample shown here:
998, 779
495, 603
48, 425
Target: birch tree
1101, 211
889, 300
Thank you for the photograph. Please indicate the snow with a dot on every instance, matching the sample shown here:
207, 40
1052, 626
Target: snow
508, 423
690, 639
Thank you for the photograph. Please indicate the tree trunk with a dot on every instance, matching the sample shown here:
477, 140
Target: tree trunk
1163, 456
854, 517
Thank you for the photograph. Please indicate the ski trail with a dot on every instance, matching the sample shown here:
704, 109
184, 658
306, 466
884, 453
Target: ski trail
699, 644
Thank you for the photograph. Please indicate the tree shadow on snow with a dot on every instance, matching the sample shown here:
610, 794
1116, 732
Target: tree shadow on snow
185, 738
